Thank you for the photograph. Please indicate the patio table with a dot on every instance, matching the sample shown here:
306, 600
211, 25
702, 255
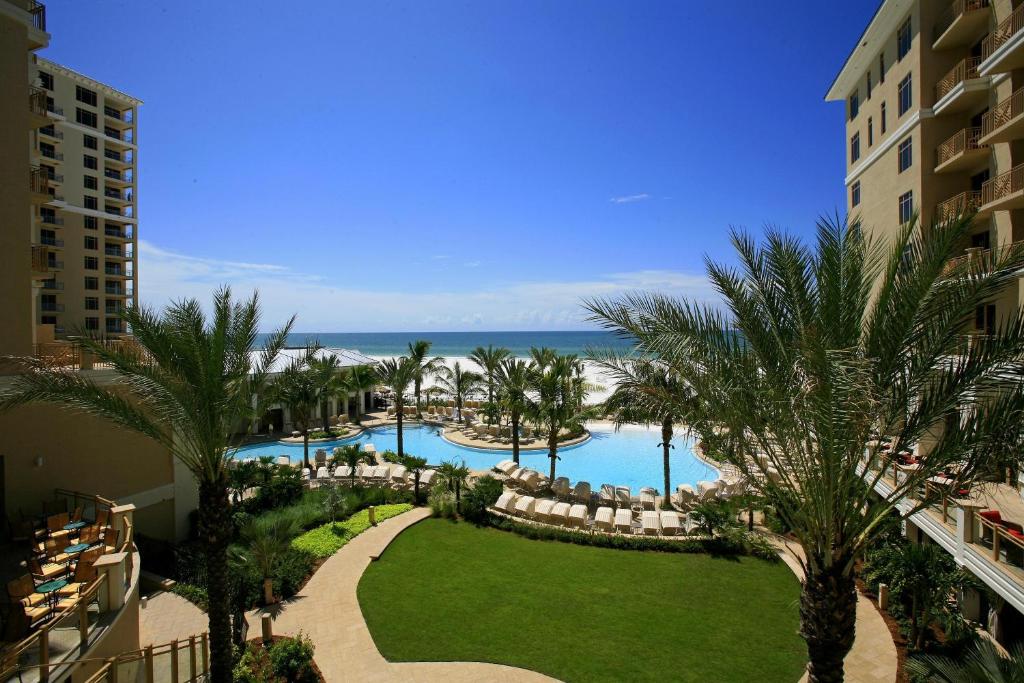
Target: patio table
76, 548
50, 588
74, 526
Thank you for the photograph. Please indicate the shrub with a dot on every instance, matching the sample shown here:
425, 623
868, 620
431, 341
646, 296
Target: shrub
319, 434
714, 516
194, 594
442, 503
324, 541
287, 660
483, 495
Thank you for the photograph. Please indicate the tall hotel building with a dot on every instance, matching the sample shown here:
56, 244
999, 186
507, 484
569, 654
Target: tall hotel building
934, 99
68, 203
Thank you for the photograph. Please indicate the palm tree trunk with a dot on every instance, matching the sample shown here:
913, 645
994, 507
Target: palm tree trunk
828, 609
515, 438
458, 499
416, 487
215, 533
323, 417
458, 406
417, 390
305, 448
666, 445
398, 411
268, 590
553, 451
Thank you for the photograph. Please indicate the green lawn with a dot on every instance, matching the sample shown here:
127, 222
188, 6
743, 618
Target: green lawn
446, 591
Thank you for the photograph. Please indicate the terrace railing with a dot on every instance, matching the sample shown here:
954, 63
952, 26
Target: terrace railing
1006, 29
1003, 113
958, 205
37, 100
958, 143
38, 12
1003, 185
956, 9
965, 69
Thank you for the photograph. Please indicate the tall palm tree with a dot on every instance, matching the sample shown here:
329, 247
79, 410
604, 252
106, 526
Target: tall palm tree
298, 388
457, 383
330, 381
489, 360
818, 349
644, 393
453, 477
514, 381
188, 385
397, 374
558, 391
425, 366
360, 379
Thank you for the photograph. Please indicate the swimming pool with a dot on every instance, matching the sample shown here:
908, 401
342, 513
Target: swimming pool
627, 457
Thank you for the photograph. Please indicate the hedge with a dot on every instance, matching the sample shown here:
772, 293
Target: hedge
325, 540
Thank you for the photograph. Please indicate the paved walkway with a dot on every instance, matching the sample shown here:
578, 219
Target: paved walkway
327, 610
167, 617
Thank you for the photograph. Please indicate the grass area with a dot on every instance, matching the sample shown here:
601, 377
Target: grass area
324, 541
446, 591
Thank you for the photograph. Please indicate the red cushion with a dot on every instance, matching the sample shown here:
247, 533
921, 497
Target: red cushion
1015, 533
1012, 527
991, 515
963, 492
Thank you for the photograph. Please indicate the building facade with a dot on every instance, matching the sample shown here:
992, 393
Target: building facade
934, 101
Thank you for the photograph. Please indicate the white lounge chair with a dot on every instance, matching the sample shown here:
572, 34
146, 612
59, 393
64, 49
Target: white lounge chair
507, 466
321, 473
707, 491
606, 496
671, 523
530, 480
525, 506
623, 496
343, 472
427, 478
647, 498
560, 514
305, 473
581, 493
624, 521
542, 510
507, 502
685, 495
578, 516
284, 460
650, 522
399, 476
604, 519
516, 474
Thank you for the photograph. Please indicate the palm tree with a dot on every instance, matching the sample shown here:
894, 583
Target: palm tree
359, 379
514, 381
489, 360
457, 383
453, 477
350, 455
415, 465
644, 393
423, 367
983, 663
298, 388
816, 351
187, 384
330, 382
265, 545
559, 391
397, 374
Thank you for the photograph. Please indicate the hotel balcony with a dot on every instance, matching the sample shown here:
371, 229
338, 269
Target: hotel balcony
116, 118
119, 160
961, 88
51, 155
962, 24
112, 290
1004, 192
965, 202
1003, 49
51, 307
49, 219
37, 106
116, 179
40, 259
115, 270
51, 133
117, 234
51, 242
53, 177
962, 151
118, 140
39, 185
1005, 121
976, 256
115, 252
53, 285
121, 197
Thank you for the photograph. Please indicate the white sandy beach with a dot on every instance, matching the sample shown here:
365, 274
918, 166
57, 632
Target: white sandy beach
591, 372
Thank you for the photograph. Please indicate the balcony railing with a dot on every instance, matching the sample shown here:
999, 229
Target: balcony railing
49, 219
958, 143
37, 101
38, 12
980, 256
50, 131
55, 177
120, 234
53, 108
53, 264
1007, 29
39, 181
51, 241
1003, 185
111, 154
964, 70
51, 154
965, 202
51, 307
1002, 113
39, 258
956, 9
113, 251
54, 285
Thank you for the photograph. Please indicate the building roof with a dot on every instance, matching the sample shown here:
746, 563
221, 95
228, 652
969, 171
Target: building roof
91, 82
349, 358
865, 51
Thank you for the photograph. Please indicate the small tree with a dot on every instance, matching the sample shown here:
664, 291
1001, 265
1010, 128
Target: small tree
558, 390
423, 367
335, 503
298, 388
984, 663
454, 477
359, 380
489, 360
458, 383
513, 383
350, 455
264, 546
416, 466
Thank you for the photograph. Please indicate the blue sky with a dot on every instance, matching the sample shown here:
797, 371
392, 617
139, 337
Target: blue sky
421, 165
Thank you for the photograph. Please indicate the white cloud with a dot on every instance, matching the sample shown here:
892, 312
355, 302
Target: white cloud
332, 306
472, 264
630, 198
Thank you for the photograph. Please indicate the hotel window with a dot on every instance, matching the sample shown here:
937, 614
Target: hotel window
84, 117
89, 141
90, 222
905, 96
89, 161
905, 157
906, 207
92, 323
882, 122
46, 80
881, 68
85, 95
90, 202
90, 182
903, 40
92, 303
855, 193
854, 105
855, 147
49, 320
91, 242
92, 263
869, 85
871, 132
92, 282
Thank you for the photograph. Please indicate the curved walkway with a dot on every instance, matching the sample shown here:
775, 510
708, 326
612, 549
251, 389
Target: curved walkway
327, 610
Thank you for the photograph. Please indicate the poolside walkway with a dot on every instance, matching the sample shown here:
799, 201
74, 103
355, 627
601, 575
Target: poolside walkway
327, 610
168, 616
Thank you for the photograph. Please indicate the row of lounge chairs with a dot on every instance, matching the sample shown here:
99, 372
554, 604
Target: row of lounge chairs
395, 476
576, 516
687, 497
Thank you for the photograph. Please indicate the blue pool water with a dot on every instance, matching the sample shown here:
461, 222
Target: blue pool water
628, 457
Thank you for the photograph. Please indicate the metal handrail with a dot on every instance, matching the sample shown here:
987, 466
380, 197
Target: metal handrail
956, 9
958, 205
1004, 112
965, 69
958, 143
1003, 185
1006, 29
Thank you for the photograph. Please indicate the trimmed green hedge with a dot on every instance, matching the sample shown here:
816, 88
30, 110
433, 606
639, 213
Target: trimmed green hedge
324, 541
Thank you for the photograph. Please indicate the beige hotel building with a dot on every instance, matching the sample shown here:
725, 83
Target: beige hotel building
934, 98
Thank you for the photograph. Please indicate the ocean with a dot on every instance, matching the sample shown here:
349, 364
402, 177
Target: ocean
461, 344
